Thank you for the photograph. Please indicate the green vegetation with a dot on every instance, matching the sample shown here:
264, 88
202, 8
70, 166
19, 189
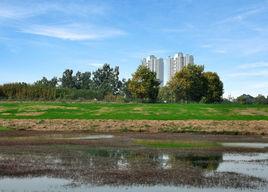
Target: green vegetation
192, 84
124, 111
176, 144
4, 128
144, 84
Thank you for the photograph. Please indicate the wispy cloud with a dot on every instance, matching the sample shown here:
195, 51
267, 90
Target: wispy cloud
184, 28
250, 74
242, 15
35, 8
73, 32
249, 46
221, 51
260, 64
206, 45
95, 65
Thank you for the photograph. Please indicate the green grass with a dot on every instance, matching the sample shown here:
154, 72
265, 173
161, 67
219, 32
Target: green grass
4, 128
176, 144
119, 111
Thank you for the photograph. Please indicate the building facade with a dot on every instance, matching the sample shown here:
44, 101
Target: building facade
177, 62
156, 65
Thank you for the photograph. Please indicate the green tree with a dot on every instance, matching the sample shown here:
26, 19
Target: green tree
86, 81
214, 88
260, 99
68, 80
245, 99
106, 80
189, 84
144, 84
166, 95
45, 82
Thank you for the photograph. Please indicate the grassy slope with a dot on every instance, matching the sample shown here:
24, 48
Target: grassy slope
43, 110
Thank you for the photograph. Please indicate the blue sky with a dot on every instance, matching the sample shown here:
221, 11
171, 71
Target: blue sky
43, 38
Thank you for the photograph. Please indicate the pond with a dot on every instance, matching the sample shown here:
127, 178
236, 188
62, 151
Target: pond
97, 167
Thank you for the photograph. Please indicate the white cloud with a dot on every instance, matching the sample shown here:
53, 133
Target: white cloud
221, 51
243, 15
263, 73
240, 46
206, 46
35, 8
184, 28
260, 64
95, 65
73, 32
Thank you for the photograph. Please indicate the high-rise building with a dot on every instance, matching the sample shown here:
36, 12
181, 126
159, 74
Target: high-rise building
156, 65
177, 62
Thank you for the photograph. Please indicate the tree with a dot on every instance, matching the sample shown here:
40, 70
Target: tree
189, 84
45, 82
124, 89
106, 80
245, 99
86, 82
67, 80
144, 84
214, 88
260, 99
166, 95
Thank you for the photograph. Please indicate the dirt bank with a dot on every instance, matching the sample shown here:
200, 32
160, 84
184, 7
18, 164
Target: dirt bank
150, 126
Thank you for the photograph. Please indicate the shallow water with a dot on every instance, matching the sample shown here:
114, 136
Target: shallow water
58, 168
93, 137
62, 185
246, 145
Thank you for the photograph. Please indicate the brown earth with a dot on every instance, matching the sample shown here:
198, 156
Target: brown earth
237, 127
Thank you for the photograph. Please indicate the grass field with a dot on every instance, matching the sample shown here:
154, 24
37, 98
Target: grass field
117, 111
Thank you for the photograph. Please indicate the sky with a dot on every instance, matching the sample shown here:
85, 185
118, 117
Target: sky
43, 38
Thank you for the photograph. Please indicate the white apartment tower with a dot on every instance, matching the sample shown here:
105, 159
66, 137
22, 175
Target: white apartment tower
156, 65
177, 62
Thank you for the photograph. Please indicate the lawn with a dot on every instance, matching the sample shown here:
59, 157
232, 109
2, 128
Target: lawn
119, 111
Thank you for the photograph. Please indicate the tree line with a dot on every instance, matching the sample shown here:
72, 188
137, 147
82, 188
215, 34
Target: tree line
191, 84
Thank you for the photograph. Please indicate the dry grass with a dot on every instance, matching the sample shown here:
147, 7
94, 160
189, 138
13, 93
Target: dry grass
251, 112
30, 114
258, 127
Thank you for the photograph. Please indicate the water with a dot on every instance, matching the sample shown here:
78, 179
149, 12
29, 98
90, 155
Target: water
58, 168
246, 145
93, 137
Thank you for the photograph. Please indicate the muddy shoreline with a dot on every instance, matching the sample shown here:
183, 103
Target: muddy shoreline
119, 161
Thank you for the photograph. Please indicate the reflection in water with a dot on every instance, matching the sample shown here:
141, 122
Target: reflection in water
255, 164
95, 168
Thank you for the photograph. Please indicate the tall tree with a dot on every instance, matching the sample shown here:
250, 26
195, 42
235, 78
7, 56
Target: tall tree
106, 79
260, 99
45, 82
86, 82
245, 99
67, 80
166, 95
189, 84
144, 84
214, 88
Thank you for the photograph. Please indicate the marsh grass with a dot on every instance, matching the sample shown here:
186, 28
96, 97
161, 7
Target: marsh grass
4, 128
175, 144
